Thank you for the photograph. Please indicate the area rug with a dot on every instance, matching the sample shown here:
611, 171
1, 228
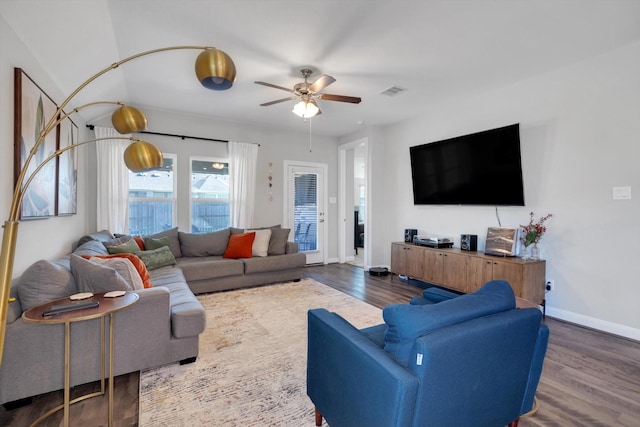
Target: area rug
251, 369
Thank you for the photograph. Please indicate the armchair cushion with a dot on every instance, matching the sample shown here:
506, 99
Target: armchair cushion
406, 322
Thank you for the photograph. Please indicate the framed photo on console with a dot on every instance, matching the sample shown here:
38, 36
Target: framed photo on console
501, 241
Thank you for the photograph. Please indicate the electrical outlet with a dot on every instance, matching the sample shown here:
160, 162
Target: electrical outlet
550, 285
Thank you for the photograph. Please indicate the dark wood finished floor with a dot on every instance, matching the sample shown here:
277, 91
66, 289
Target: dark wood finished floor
590, 378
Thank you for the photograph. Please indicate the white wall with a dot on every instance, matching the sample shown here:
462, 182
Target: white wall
580, 136
43, 238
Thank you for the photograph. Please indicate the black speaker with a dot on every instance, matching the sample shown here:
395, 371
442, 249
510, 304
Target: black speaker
409, 233
469, 242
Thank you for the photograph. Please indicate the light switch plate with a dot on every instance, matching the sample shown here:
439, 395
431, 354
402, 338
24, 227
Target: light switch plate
622, 193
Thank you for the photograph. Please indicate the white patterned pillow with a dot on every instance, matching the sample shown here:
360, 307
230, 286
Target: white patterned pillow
261, 242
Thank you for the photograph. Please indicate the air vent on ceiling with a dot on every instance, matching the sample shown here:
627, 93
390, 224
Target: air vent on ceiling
393, 91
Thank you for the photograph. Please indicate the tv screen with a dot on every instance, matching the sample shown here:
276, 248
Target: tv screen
482, 168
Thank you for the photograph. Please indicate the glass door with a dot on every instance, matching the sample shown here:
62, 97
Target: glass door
305, 209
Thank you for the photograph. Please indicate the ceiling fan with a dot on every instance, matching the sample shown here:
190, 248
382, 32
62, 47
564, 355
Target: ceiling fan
306, 92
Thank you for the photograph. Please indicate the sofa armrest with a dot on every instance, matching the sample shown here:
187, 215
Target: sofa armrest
351, 380
143, 330
291, 248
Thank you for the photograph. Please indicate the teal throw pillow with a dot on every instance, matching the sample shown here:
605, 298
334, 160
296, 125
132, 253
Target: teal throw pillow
151, 243
157, 258
130, 246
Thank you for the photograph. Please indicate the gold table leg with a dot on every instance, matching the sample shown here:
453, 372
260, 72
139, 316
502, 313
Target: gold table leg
67, 402
111, 352
67, 391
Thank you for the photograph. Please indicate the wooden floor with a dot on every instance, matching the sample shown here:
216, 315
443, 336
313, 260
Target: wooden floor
589, 379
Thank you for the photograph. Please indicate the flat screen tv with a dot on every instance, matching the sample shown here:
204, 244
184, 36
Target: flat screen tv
482, 168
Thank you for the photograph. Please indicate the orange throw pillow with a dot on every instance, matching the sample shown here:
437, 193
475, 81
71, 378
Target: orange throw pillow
137, 263
239, 245
140, 241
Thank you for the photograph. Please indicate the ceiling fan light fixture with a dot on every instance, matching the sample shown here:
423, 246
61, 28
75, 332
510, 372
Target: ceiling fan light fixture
306, 108
215, 69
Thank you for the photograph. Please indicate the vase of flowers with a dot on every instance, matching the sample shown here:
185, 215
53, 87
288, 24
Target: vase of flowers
531, 235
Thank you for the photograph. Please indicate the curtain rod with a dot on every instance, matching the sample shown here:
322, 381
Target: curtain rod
183, 137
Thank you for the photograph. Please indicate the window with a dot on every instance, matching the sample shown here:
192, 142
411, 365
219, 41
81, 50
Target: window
209, 194
152, 198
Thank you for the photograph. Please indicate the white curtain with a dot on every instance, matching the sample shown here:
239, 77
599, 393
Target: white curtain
113, 182
243, 160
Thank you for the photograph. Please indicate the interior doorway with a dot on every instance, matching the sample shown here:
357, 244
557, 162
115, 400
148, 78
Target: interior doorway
354, 195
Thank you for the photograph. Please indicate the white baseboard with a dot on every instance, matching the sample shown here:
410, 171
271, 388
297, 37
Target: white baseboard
591, 322
332, 261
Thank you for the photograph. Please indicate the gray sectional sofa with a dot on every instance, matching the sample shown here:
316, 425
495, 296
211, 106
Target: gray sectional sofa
163, 327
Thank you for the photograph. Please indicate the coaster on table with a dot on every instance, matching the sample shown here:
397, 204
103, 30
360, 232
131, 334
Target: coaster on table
81, 295
114, 294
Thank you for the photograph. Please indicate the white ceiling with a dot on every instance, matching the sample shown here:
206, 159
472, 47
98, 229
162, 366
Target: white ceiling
433, 48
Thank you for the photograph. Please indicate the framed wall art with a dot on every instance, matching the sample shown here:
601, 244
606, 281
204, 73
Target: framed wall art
67, 169
33, 108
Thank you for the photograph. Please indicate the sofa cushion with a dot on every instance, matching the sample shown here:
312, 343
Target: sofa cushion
260, 246
91, 247
157, 258
45, 281
274, 263
278, 242
203, 268
407, 322
124, 267
174, 241
204, 244
92, 277
127, 246
188, 317
100, 236
240, 246
139, 265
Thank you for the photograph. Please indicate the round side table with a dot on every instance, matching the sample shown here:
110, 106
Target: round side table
106, 307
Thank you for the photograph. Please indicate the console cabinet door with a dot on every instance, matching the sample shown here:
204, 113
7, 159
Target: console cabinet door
398, 259
433, 267
455, 271
407, 260
414, 262
510, 272
479, 272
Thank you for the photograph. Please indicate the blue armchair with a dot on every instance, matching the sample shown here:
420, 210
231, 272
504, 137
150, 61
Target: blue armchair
473, 360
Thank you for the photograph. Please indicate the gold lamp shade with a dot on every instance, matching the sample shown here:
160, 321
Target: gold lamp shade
141, 156
128, 119
215, 69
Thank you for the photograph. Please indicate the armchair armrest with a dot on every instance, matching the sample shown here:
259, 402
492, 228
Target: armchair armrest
351, 380
536, 368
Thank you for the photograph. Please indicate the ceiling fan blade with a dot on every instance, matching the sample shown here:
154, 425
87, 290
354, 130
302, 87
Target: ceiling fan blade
274, 86
322, 82
341, 98
289, 98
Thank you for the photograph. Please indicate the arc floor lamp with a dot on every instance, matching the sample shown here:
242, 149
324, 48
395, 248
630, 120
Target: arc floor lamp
214, 69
